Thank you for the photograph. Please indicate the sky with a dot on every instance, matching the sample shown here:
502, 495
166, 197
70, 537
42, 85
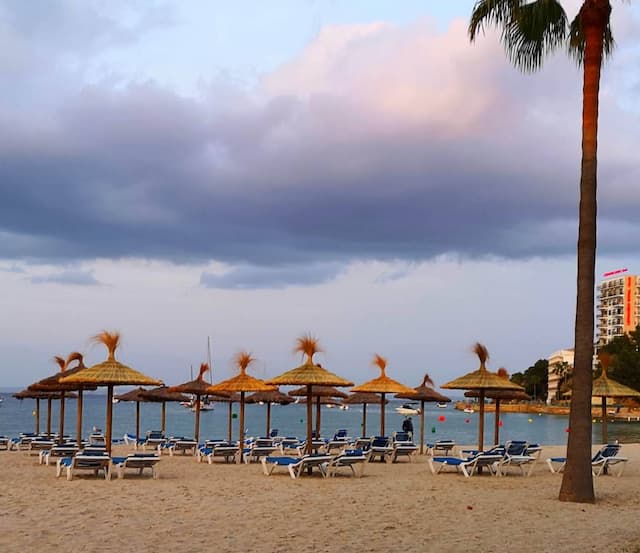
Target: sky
250, 172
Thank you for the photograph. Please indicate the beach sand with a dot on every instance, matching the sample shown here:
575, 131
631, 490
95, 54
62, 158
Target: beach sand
400, 507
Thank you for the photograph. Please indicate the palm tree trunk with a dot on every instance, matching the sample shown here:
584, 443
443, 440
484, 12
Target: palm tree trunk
577, 481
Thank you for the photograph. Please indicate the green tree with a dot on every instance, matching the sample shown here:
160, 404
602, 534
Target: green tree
530, 30
536, 379
565, 371
625, 362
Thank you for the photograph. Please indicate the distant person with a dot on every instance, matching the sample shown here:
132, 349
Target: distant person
407, 426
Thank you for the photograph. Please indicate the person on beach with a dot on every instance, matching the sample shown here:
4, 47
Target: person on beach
407, 426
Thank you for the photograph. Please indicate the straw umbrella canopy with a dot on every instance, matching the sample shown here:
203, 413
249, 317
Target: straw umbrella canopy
382, 385
498, 396
364, 399
309, 374
269, 397
320, 393
52, 383
162, 395
37, 395
110, 373
137, 395
198, 387
242, 383
424, 393
605, 387
481, 380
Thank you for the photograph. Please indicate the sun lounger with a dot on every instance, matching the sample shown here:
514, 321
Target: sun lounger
607, 456
5, 442
362, 443
380, 447
307, 463
269, 464
402, 446
36, 446
154, 439
65, 450
441, 446
318, 446
261, 447
225, 450
94, 463
353, 459
138, 462
183, 445
468, 467
516, 456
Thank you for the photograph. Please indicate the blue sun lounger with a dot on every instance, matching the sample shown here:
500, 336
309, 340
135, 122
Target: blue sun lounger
469, 466
605, 457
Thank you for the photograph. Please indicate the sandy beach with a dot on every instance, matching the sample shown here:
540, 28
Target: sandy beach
195, 507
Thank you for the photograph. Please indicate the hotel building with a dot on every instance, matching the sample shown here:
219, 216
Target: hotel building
618, 307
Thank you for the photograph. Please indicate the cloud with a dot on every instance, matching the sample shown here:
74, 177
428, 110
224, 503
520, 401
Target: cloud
71, 277
247, 277
377, 142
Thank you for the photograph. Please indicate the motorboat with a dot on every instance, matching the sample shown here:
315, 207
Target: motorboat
468, 409
408, 409
441, 405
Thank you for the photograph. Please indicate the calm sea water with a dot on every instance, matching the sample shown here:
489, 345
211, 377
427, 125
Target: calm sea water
17, 416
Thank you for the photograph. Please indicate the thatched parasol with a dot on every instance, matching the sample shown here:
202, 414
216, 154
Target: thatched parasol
364, 399
382, 385
137, 395
162, 395
270, 397
309, 374
37, 395
498, 396
110, 373
605, 387
319, 392
424, 393
242, 383
481, 380
198, 387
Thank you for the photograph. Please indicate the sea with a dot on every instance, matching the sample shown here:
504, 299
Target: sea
19, 416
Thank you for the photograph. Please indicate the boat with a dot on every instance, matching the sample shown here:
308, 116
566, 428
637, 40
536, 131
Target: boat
408, 409
468, 409
441, 405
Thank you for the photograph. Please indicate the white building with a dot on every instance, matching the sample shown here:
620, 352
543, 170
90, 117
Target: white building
560, 356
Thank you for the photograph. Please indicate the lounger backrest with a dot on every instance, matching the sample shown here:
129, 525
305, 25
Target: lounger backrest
402, 437
516, 447
609, 450
379, 441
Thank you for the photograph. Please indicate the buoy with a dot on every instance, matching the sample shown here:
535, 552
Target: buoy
566, 429
33, 413
529, 420
442, 418
467, 421
234, 416
500, 423
433, 429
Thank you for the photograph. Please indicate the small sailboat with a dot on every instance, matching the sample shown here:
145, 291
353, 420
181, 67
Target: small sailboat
441, 405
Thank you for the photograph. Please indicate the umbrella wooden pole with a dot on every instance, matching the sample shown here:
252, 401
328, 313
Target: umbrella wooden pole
318, 414
364, 420
382, 415
137, 424
605, 438
496, 427
230, 429
481, 422
164, 415
37, 415
196, 432
309, 447
61, 427
109, 417
268, 419
79, 419
421, 427
49, 418
241, 429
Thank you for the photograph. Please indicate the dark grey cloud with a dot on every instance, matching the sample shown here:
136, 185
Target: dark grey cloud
70, 277
275, 184
252, 277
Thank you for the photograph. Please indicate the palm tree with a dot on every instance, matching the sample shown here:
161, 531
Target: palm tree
529, 31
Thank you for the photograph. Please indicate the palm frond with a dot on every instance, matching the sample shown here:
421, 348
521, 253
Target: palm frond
577, 41
243, 359
308, 345
110, 339
380, 362
482, 352
60, 362
204, 367
490, 13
